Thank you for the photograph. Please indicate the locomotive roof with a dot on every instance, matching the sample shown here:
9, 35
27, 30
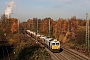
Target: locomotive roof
49, 39
53, 41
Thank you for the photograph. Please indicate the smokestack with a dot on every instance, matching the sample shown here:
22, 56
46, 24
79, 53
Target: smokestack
7, 16
9, 10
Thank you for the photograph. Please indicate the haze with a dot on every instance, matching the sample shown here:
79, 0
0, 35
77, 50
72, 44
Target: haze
28, 9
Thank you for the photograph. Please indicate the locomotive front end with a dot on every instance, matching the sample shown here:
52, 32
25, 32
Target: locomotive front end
55, 46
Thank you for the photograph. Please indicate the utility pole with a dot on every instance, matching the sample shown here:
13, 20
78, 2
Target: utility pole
18, 26
87, 32
49, 28
68, 25
37, 26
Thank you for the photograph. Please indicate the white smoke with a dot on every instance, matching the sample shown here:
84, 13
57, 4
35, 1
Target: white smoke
10, 8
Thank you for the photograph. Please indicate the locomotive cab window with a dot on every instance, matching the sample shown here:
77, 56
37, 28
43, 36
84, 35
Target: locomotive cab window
57, 43
53, 43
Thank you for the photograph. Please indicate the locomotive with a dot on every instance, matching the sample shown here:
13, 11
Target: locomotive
52, 44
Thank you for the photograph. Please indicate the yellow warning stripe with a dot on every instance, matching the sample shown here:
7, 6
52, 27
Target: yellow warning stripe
55, 47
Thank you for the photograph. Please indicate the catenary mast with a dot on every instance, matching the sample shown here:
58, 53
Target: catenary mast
87, 32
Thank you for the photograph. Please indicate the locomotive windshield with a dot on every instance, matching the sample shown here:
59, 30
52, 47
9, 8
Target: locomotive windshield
53, 43
57, 43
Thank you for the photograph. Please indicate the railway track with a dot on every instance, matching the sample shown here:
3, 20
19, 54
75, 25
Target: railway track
60, 56
66, 54
75, 55
56, 56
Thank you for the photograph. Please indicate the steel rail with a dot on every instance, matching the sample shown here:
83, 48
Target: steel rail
75, 54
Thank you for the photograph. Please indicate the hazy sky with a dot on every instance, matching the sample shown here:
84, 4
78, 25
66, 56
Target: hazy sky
55, 9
